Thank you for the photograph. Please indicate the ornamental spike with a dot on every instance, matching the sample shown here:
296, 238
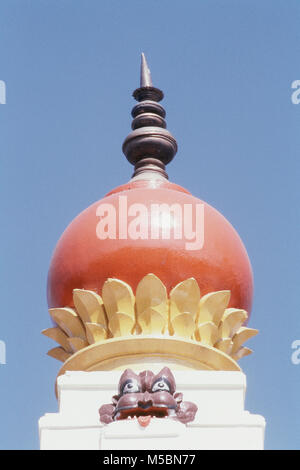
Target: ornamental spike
145, 73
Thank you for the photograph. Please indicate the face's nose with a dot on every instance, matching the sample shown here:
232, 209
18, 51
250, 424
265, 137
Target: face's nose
146, 401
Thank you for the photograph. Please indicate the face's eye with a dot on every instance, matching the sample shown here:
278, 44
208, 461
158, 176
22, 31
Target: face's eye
161, 384
131, 386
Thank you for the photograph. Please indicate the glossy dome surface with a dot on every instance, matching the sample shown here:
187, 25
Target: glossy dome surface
82, 260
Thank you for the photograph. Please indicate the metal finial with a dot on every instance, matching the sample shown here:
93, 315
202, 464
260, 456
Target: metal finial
145, 73
147, 91
150, 146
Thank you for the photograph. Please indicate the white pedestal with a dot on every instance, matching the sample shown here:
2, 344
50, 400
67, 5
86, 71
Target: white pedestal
221, 421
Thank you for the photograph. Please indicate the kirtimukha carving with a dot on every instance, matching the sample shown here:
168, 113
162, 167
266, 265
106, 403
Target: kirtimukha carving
145, 396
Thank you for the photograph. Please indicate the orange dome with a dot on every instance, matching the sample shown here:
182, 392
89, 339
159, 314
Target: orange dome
83, 260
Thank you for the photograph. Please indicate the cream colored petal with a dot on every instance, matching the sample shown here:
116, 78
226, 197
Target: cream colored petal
121, 324
151, 293
241, 353
212, 306
95, 333
185, 298
224, 345
241, 336
68, 320
89, 306
118, 297
207, 333
59, 353
151, 297
59, 336
77, 344
184, 325
232, 320
151, 322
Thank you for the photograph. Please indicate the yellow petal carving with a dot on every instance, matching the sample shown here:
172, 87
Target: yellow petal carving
232, 320
59, 336
151, 322
212, 306
95, 332
207, 320
242, 335
77, 343
207, 333
59, 353
151, 293
241, 353
184, 325
121, 324
185, 297
224, 345
118, 297
118, 300
89, 306
68, 321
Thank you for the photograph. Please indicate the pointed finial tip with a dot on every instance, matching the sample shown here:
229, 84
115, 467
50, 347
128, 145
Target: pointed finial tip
146, 91
145, 73
144, 60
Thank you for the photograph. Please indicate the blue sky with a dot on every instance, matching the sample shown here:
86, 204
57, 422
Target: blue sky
226, 68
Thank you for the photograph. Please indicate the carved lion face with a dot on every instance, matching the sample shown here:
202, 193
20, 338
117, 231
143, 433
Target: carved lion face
147, 395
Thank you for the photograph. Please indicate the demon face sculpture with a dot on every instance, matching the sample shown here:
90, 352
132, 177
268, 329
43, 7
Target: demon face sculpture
147, 395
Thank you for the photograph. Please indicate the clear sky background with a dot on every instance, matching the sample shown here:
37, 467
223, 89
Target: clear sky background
226, 68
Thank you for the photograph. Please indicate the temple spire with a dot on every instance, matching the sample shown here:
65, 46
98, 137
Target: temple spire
150, 146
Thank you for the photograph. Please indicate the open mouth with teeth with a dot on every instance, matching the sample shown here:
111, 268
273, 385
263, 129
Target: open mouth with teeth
144, 415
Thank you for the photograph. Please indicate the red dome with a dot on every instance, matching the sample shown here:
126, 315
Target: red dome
84, 261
